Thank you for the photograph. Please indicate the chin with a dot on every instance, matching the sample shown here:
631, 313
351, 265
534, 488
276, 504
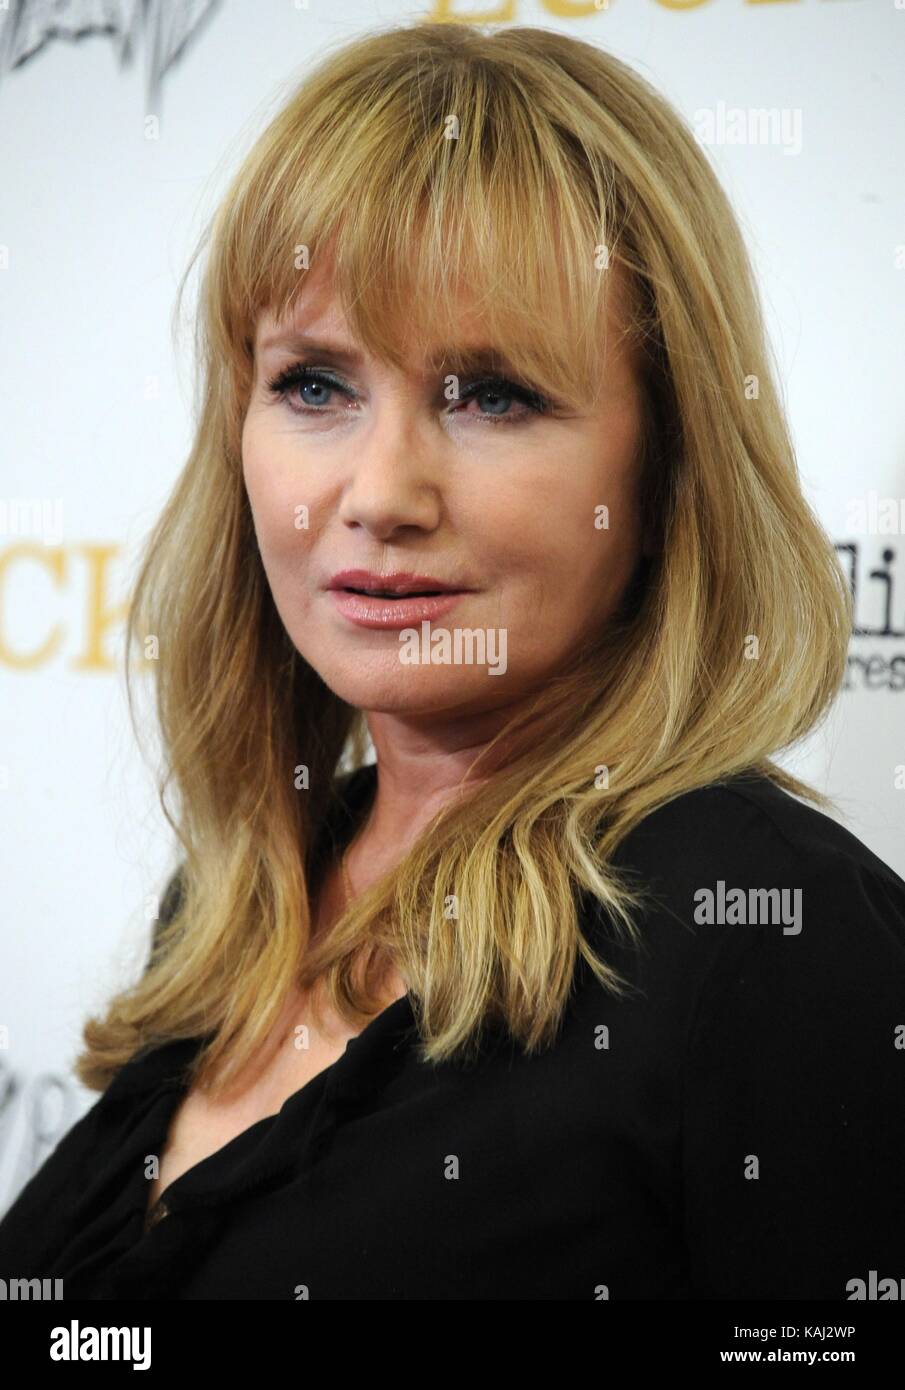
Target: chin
413, 690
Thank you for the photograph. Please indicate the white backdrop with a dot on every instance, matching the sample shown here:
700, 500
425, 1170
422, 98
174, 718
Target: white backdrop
99, 209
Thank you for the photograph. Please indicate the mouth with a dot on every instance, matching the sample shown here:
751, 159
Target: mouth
392, 601
396, 593
393, 586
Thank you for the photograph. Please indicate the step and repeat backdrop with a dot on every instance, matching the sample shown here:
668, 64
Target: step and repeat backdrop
120, 123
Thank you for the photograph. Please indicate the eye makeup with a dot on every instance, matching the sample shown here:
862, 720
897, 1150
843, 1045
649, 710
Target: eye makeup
300, 374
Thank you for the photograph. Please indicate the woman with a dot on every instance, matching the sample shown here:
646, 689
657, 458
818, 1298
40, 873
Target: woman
568, 995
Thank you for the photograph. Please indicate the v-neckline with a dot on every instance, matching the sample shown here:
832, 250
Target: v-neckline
167, 1067
341, 1079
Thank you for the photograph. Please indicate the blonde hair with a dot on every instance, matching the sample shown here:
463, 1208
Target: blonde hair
563, 159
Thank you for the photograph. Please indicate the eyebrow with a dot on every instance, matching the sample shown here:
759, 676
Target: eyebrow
457, 361
304, 342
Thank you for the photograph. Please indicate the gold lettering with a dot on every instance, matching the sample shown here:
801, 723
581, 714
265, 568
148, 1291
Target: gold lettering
100, 615
566, 9
444, 13
55, 560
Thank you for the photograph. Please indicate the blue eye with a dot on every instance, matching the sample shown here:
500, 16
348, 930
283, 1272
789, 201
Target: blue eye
299, 377
496, 391
315, 386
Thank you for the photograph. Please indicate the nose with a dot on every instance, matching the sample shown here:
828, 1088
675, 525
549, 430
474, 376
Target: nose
395, 475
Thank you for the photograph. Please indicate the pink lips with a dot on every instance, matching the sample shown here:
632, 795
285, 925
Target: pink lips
422, 598
394, 612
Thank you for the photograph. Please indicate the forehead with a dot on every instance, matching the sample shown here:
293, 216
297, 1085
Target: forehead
316, 322
317, 315
454, 319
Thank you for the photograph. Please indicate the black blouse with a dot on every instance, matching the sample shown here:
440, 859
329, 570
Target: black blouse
733, 1128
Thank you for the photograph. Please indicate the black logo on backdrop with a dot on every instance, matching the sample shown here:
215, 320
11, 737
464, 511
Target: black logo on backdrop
162, 29
877, 655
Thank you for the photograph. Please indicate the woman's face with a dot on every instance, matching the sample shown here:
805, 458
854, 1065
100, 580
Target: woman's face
362, 466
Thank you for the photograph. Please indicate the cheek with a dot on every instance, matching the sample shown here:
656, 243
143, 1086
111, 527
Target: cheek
257, 475
574, 531
281, 505
550, 527
602, 501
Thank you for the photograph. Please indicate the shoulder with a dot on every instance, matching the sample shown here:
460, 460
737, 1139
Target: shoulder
785, 931
793, 1127
758, 910
747, 833
709, 817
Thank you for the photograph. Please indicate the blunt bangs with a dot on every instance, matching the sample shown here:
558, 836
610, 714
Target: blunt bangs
434, 198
